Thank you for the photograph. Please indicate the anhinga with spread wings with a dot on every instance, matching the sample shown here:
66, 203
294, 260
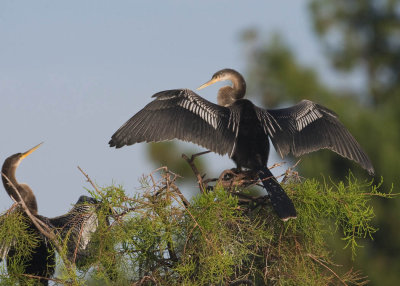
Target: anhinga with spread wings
76, 226
235, 126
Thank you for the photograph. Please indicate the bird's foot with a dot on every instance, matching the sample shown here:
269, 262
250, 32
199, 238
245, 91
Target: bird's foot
233, 178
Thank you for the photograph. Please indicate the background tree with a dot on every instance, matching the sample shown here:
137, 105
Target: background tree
356, 35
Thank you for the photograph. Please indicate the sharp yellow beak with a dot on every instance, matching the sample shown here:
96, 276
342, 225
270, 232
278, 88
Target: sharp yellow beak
27, 153
210, 82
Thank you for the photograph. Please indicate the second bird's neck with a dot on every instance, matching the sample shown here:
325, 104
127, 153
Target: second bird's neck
10, 184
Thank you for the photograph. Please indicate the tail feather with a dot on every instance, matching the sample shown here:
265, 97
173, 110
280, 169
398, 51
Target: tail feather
281, 203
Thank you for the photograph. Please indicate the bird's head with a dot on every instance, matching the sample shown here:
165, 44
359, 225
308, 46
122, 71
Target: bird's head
228, 94
10, 183
14, 160
224, 74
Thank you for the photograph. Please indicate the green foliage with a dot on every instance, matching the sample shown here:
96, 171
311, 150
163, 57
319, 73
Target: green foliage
359, 36
157, 238
16, 231
362, 33
220, 241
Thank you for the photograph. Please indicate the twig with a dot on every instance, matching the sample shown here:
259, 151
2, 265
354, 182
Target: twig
289, 171
194, 168
90, 181
181, 196
197, 224
143, 280
95, 187
62, 282
168, 183
48, 233
277, 165
325, 266
266, 260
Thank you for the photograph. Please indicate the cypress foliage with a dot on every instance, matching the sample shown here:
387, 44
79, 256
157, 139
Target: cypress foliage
157, 237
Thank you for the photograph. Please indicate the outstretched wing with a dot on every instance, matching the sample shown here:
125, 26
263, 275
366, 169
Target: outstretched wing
180, 114
77, 226
307, 127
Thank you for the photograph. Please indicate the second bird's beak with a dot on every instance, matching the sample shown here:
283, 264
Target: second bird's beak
27, 153
210, 82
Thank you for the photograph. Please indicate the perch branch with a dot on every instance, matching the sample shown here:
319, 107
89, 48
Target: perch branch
194, 168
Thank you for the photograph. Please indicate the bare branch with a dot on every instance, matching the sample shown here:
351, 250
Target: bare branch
62, 282
194, 168
326, 267
90, 181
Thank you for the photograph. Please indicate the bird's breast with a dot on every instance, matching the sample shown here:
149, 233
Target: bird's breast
252, 145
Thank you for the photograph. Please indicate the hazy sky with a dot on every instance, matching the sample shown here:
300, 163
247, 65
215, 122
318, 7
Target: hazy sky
72, 72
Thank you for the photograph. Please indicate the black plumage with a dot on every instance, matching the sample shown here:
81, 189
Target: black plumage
76, 226
235, 126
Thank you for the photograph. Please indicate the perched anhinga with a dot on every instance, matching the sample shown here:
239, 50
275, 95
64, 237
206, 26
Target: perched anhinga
76, 226
239, 128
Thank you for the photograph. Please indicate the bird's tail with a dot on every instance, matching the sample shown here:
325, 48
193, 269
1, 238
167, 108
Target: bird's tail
280, 201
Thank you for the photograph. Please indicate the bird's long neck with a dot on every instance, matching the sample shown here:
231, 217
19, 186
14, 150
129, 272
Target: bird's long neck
238, 87
24, 190
9, 173
227, 95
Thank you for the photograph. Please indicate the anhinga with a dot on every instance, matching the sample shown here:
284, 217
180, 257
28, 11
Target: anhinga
240, 129
76, 226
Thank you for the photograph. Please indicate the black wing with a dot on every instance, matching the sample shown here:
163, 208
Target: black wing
307, 127
77, 226
180, 114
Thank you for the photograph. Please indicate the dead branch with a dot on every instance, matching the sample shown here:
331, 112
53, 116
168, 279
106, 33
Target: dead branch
43, 228
95, 187
143, 280
181, 196
90, 181
326, 267
290, 173
195, 170
62, 282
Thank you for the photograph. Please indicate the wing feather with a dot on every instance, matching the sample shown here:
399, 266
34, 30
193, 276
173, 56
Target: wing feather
179, 114
77, 226
307, 127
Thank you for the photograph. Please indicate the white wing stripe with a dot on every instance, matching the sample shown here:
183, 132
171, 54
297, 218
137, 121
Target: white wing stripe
306, 119
201, 110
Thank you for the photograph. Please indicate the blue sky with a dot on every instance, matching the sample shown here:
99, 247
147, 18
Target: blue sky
72, 72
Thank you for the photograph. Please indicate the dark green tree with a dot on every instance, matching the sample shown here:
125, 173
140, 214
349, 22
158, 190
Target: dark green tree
362, 34
356, 35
